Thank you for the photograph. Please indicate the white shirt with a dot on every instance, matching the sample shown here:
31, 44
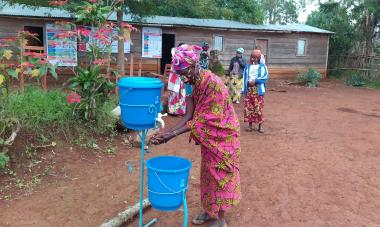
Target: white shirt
253, 72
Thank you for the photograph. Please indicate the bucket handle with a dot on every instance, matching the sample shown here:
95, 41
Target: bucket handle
125, 92
167, 187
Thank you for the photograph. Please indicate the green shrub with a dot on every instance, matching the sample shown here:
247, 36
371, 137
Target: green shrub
355, 80
310, 79
93, 89
218, 69
374, 84
377, 49
41, 112
105, 122
337, 74
4, 159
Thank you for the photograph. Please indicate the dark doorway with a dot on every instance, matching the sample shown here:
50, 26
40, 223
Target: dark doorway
168, 42
39, 36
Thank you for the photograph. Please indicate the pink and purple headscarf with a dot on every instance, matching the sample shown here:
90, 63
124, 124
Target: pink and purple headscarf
185, 56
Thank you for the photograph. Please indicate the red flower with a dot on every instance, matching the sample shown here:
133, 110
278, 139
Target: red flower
27, 64
58, 3
84, 32
93, 1
100, 61
35, 54
73, 97
129, 26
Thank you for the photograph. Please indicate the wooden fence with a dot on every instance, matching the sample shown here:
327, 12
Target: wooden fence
369, 65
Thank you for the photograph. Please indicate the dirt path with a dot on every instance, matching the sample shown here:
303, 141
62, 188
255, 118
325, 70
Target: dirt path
317, 165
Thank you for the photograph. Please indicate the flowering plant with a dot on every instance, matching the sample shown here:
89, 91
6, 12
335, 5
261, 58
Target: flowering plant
24, 63
95, 39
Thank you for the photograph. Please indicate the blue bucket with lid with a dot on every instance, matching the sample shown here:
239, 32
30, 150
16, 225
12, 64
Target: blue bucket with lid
140, 101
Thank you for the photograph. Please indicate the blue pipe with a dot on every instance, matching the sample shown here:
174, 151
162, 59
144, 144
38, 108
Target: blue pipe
143, 134
185, 212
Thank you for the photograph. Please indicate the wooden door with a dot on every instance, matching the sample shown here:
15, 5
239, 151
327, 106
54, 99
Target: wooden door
262, 44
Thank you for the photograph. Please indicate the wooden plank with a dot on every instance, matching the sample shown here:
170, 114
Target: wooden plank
131, 64
140, 66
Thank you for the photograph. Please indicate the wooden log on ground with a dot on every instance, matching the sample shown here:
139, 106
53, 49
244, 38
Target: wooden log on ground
126, 215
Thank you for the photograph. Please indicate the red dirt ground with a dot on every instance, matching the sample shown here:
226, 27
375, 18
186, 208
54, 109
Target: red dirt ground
318, 164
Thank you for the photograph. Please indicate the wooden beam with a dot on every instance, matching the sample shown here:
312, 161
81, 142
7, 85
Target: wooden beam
140, 66
131, 65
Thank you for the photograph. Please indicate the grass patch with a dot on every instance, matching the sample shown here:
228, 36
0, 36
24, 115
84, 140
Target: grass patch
42, 113
372, 84
355, 78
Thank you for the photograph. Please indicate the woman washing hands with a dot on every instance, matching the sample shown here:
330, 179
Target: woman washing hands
214, 125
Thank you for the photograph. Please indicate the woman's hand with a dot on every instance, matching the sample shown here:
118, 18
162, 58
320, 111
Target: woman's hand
251, 83
161, 138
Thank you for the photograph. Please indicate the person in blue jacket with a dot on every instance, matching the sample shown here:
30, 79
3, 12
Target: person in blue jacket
254, 87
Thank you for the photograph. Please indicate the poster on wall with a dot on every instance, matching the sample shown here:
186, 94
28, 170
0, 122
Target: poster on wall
61, 51
127, 44
151, 43
84, 42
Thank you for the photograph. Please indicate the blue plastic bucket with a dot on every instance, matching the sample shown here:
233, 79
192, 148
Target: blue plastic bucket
167, 181
140, 101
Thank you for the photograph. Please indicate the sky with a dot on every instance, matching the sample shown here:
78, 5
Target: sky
302, 16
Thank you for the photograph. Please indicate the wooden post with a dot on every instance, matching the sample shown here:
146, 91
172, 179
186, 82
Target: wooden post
116, 80
140, 66
120, 43
131, 64
159, 66
21, 78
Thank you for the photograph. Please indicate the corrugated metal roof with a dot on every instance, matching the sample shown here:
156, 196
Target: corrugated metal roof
25, 11
228, 24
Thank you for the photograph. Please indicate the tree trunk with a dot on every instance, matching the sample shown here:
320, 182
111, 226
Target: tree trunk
120, 44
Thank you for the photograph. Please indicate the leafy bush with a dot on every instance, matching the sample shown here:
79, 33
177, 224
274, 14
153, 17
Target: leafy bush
93, 90
218, 69
310, 79
41, 112
377, 49
355, 80
105, 121
215, 65
4, 159
337, 74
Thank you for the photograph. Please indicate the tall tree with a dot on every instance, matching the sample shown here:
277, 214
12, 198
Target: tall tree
248, 11
281, 11
356, 24
335, 17
366, 13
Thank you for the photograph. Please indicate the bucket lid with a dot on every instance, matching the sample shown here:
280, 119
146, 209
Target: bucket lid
140, 82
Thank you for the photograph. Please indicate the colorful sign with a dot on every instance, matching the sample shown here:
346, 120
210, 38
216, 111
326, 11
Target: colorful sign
151, 43
84, 43
61, 51
127, 44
